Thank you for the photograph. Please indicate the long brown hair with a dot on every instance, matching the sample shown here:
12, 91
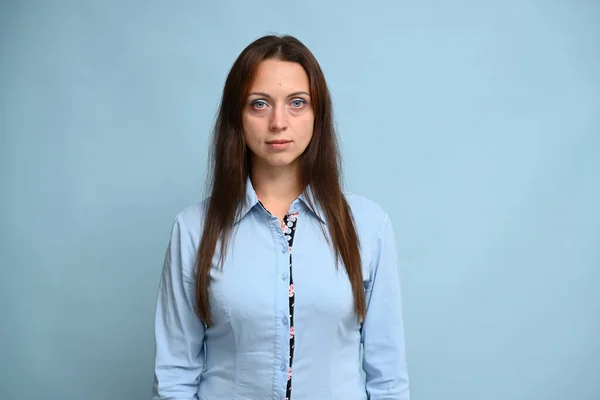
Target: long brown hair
230, 167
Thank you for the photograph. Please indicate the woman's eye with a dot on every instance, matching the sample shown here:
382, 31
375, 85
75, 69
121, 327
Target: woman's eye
298, 103
259, 104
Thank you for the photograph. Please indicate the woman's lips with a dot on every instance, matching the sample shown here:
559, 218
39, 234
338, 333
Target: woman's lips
278, 144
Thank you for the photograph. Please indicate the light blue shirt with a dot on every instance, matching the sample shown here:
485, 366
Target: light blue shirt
244, 354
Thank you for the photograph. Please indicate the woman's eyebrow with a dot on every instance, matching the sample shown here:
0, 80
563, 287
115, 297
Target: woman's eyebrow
299, 93
266, 95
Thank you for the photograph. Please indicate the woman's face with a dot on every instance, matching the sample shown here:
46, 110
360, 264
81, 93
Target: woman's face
278, 116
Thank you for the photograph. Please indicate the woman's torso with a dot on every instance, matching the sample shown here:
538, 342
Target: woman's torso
247, 347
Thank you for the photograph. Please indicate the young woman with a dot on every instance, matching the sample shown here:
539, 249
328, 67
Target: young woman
274, 283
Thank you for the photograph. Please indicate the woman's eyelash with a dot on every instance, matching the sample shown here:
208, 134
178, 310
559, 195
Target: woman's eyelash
262, 103
302, 101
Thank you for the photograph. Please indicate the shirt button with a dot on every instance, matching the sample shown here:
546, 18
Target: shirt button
284, 249
282, 367
284, 321
284, 277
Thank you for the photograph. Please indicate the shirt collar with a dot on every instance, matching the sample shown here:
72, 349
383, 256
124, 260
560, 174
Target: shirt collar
310, 201
250, 200
307, 198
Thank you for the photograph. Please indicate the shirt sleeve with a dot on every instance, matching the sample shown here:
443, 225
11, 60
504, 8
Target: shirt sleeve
384, 358
179, 333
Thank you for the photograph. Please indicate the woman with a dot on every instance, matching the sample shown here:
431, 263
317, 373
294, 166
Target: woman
237, 316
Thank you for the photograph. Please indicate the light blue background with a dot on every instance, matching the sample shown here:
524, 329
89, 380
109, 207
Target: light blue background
475, 124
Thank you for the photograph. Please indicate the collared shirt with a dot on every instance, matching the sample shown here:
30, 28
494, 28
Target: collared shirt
245, 353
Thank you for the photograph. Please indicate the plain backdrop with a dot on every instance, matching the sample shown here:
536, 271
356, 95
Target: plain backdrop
475, 124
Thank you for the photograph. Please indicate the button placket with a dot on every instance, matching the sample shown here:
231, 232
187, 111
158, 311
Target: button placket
285, 264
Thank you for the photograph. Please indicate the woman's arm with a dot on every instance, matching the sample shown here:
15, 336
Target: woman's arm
384, 359
179, 332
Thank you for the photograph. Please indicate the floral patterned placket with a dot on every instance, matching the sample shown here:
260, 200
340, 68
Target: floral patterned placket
289, 228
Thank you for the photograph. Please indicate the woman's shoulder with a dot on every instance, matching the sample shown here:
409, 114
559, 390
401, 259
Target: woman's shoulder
368, 214
191, 217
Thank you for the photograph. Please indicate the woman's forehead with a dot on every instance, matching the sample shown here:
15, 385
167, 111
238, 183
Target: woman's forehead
279, 77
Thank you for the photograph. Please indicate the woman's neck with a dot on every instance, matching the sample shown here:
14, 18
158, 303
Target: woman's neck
276, 187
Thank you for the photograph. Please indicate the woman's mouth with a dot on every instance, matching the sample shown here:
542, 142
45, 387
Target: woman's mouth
279, 144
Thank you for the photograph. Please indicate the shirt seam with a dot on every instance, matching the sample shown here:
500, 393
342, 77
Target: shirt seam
376, 234
236, 363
